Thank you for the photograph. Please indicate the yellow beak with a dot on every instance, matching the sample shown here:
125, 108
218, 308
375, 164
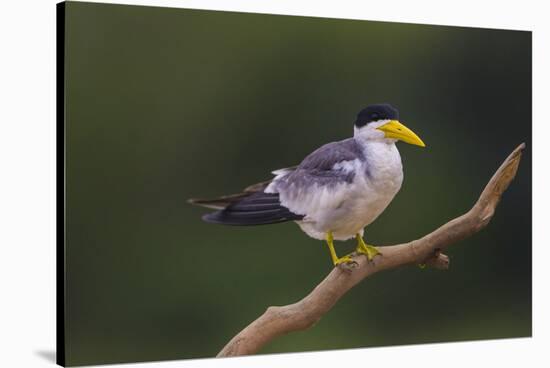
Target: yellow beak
394, 129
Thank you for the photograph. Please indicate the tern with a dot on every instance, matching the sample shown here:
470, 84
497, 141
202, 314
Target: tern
335, 192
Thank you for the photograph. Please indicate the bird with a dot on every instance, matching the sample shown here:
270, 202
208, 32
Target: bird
335, 192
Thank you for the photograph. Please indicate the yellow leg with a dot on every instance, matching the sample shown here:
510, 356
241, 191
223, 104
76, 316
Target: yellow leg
365, 249
335, 259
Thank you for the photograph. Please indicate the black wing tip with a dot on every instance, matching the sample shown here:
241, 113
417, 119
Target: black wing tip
254, 209
211, 217
223, 218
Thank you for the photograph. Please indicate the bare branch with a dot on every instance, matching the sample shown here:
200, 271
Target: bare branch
303, 314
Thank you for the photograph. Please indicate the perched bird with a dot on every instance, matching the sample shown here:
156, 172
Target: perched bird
335, 191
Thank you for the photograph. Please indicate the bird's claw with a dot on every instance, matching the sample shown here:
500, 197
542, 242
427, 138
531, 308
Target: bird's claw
369, 251
344, 260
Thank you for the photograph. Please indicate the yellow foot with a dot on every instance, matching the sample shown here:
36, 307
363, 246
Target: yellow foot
335, 260
366, 249
369, 251
344, 259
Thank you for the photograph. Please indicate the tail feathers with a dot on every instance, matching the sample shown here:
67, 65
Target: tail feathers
254, 209
251, 207
217, 203
224, 201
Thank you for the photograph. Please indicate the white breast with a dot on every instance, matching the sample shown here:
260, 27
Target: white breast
377, 181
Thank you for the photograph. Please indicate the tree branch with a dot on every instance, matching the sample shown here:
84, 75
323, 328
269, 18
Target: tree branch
303, 314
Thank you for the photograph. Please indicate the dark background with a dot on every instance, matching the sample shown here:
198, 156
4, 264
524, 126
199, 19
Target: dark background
167, 104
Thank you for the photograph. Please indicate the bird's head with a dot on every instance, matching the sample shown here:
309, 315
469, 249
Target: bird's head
381, 122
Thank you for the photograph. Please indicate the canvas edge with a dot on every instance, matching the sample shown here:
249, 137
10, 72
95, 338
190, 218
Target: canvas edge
60, 184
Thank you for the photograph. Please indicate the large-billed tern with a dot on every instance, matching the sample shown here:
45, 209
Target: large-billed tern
335, 192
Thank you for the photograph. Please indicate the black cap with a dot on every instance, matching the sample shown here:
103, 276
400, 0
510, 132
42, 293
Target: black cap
376, 112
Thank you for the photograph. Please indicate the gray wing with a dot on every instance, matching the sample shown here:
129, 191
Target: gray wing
319, 167
325, 157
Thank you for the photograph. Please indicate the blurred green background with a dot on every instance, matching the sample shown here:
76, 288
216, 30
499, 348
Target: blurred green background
167, 104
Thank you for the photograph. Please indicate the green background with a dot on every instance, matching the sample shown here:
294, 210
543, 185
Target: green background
167, 104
